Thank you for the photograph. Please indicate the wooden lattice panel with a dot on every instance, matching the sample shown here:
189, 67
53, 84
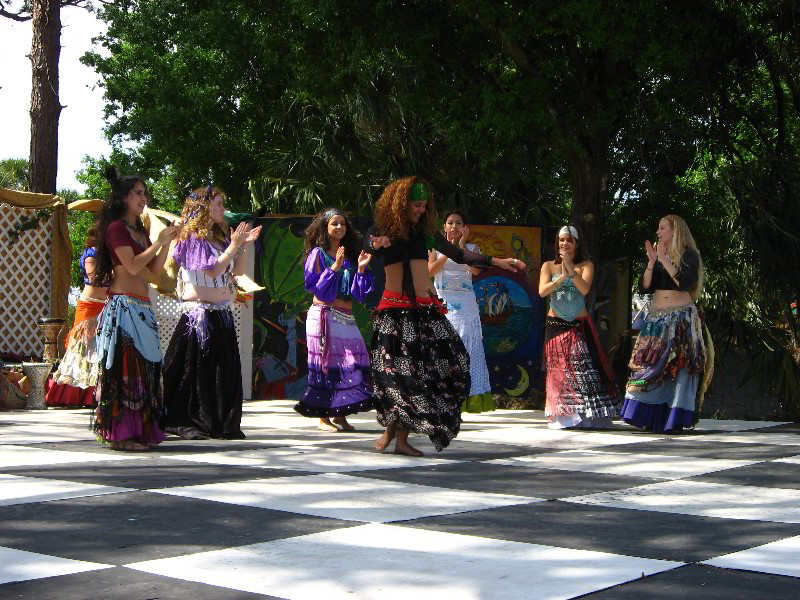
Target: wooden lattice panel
24, 284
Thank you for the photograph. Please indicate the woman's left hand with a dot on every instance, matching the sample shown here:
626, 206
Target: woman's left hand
510, 264
252, 236
363, 260
462, 242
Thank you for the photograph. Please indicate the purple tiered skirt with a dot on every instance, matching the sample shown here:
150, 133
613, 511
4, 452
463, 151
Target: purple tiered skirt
338, 365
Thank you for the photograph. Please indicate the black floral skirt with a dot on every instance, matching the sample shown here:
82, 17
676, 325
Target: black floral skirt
203, 373
420, 372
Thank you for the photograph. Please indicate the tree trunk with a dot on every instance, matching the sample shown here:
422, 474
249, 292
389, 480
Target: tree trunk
45, 105
589, 174
589, 191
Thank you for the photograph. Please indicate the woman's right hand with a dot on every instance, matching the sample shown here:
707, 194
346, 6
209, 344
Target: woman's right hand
380, 242
239, 235
337, 264
652, 254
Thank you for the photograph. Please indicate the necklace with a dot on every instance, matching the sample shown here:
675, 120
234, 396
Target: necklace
136, 233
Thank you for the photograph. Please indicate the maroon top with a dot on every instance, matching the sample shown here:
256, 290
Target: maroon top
117, 236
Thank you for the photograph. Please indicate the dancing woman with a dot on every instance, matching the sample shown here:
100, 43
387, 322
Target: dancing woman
420, 367
338, 362
202, 369
128, 390
453, 283
669, 357
74, 380
580, 389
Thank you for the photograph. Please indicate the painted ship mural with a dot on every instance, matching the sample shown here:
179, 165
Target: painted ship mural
496, 305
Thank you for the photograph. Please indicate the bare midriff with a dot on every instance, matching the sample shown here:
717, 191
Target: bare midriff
670, 298
583, 313
337, 303
93, 292
420, 277
199, 293
125, 283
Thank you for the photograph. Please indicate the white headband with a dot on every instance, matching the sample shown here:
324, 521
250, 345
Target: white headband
570, 230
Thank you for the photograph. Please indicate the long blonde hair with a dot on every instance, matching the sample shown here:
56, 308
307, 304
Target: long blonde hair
196, 216
681, 241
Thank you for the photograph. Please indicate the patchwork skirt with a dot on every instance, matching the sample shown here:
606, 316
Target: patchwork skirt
339, 382
580, 389
463, 314
203, 372
667, 364
420, 369
73, 382
128, 393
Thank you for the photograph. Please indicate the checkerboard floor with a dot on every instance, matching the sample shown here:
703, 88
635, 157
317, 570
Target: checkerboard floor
510, 510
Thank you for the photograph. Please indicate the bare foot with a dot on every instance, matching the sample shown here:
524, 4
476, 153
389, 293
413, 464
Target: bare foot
407, 449
388, 435
129, 446
342, 423
326, 425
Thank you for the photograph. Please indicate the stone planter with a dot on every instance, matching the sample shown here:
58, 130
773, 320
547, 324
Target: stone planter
37, 374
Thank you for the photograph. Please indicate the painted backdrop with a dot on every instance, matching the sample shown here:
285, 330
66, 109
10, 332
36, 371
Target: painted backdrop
512, 312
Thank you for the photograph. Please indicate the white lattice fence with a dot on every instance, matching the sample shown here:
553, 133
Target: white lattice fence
168, 311
24, 283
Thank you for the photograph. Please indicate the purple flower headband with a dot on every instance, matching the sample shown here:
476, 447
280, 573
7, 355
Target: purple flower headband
206, 199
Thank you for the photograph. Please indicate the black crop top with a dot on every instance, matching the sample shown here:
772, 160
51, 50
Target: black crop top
686, 275
414, 248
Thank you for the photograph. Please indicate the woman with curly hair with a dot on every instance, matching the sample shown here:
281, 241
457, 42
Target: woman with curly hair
580, 390
453, 284
338, 362
420, 367
669, 357
128, 389
74, 380
202, 368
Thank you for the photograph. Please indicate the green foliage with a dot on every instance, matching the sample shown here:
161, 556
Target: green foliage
280, 274
79, 223
14, 173
612, 113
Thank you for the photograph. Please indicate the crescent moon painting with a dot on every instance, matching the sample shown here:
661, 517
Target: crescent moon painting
522, 385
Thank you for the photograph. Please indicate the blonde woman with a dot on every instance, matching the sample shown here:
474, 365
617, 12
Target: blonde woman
202, 369
669, 357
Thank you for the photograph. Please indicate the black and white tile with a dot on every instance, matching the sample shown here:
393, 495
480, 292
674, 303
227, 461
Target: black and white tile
510, 510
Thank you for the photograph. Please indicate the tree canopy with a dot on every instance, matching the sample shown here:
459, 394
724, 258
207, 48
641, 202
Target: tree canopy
611, 114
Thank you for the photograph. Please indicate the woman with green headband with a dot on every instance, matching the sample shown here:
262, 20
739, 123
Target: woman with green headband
420, 367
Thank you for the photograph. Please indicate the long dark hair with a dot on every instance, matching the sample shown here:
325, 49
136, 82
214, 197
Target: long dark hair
580, 247
113, 210
317, 234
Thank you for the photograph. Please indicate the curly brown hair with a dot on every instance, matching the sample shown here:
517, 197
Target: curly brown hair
196, 216
391, 212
